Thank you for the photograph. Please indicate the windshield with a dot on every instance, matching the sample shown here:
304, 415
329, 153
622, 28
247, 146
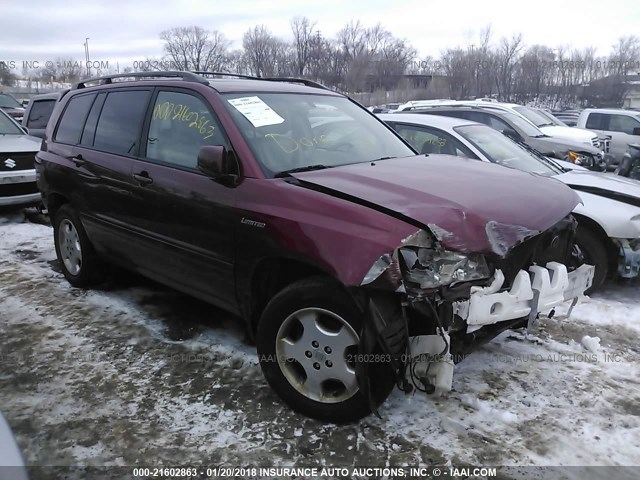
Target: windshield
289, 131
527, 128
8, 126
551, 118
535, 117
7, 101
499, 149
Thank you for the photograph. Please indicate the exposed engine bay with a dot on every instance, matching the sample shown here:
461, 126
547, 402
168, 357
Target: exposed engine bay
429, 307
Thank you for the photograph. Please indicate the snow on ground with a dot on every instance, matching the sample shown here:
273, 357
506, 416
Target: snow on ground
132, 373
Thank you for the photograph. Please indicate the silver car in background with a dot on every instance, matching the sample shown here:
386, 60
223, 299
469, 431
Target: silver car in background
17, 169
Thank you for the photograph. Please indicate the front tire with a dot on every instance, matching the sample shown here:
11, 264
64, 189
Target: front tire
79, 262
307, 344
595, 253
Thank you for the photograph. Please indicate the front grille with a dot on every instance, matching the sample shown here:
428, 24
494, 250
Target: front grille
12, 162
595, 141
552, 245
14, 189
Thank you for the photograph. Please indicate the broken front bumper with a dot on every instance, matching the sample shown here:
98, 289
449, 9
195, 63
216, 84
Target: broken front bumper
533, 292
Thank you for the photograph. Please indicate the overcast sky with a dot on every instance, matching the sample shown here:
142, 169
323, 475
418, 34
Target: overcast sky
125, 30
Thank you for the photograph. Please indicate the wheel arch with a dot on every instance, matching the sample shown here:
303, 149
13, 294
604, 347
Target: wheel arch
271, 275
596, 228
54, 202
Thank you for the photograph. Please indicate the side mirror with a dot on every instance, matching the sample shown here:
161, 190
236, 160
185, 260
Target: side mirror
213, 161
512, 134
636, 131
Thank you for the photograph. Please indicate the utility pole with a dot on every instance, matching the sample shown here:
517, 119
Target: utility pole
86, 55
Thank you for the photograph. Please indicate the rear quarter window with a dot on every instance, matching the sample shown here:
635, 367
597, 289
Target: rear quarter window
73, 118
40, 113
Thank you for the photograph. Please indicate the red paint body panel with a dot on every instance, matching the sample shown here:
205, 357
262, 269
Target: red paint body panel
339, 236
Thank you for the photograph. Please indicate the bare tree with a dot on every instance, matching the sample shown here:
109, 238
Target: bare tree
302, 29
6, 76
625, 55
507, 57
352, 38
261, 49
194, 48
237, 62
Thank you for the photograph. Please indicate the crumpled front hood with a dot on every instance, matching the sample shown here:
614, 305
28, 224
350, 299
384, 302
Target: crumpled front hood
603, 181
470, 206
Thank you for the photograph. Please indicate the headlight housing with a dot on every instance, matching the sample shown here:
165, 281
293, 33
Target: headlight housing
430, 268
577, 158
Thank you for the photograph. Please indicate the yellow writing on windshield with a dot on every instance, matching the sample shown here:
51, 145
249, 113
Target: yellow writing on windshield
290, 145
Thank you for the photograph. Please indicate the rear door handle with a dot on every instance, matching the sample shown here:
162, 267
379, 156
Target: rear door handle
143, 178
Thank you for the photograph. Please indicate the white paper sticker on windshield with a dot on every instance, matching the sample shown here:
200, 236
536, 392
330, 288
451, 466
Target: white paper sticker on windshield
256, 111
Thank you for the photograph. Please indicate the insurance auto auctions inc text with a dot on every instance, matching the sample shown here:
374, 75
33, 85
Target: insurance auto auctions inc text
355, 472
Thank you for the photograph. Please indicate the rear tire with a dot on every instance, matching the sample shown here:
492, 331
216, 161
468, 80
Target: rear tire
595, 253
307, 343
79, 262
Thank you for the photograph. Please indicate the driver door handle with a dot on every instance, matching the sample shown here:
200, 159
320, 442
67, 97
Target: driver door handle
143, 178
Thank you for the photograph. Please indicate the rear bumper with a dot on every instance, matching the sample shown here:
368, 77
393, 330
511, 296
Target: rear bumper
533, 292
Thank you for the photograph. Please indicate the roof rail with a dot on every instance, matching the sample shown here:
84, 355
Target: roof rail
304, 81
225, 74
107, 79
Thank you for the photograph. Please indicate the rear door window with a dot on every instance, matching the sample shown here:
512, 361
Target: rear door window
623, 124
120, 122
40, 113
72, 121
497, 124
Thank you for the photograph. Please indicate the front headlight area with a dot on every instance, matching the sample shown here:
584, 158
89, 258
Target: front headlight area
421, 263
427, 268
581, 159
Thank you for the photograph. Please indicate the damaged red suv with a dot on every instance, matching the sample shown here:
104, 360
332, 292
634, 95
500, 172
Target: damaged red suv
356, 265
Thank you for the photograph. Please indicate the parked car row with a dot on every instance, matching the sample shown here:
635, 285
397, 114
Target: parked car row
584, 150
608, 216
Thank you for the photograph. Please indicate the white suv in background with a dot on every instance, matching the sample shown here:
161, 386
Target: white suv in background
623, 126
